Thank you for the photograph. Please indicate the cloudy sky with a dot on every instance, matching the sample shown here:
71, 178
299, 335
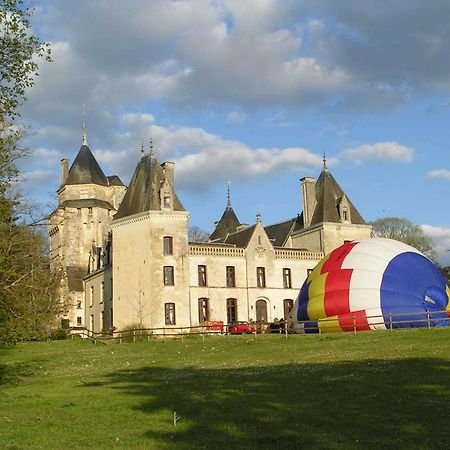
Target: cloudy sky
252, 92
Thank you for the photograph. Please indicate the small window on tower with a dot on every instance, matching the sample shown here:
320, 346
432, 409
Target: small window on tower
169, 310
169, 279
166, 202
168, 245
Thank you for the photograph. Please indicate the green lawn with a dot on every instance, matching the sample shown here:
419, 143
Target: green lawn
372, 390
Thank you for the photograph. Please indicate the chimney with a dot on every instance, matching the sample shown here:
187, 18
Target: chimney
308, 198
64, 170
169, 168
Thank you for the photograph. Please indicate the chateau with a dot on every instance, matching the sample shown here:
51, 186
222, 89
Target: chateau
127, 261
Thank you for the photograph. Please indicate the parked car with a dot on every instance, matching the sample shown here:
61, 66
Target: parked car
241, 328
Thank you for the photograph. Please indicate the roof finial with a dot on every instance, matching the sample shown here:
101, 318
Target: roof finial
142, 148
84, 125
228, 195
258, 217
152, 153
325, 167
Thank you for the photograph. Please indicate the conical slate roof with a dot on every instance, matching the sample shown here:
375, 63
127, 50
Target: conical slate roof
144, 190
328, 195
85, 169
227, 224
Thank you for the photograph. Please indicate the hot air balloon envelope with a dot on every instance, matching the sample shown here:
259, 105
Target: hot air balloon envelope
372, 284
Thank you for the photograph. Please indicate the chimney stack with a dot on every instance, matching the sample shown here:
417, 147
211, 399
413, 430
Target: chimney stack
169, 169
308, 198
64, 170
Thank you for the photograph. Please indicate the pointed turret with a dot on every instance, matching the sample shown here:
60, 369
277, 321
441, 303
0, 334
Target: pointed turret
150, 189
228, 223
85, 169
332, 202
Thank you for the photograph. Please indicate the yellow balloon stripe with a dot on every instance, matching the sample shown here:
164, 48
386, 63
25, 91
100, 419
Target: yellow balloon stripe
329, 325
448, 296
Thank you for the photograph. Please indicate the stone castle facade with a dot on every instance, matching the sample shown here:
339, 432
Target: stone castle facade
127, 260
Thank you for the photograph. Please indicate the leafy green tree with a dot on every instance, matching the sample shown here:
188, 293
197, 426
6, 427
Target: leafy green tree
404, 230
28, 290
18, 51
29, 303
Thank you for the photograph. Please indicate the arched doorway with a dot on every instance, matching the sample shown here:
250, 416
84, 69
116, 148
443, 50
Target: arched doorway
287, 306
261, 311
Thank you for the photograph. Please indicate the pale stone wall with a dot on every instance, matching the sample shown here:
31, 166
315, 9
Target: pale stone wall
97, 302
259, 253
73, 232
139, 293
328, 236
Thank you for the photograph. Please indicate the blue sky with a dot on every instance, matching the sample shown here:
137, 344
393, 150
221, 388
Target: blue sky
252, 92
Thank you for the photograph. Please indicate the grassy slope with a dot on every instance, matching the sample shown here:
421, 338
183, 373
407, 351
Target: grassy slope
343, 391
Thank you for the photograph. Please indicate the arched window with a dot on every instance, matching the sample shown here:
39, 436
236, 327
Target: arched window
261, 311
231, 310
287, 306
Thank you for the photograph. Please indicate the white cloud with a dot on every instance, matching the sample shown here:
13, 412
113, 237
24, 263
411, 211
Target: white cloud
202, 158
440, 236
381, 151
439, 173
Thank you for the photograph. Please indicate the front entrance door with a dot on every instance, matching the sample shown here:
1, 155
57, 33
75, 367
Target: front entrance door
261, 311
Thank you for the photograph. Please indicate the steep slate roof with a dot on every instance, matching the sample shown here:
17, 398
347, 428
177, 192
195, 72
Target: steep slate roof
227, 224
114, 180
280, 232
328, 195
143, 192
85, 169
240, 238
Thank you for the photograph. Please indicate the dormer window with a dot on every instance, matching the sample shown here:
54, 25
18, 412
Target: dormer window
344, 209
166, 202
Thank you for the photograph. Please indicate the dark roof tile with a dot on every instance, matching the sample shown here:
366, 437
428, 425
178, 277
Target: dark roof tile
144, 190
85, 169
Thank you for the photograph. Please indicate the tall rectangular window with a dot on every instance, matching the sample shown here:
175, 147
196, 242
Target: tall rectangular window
231, 310
203, 310
168, 245
169, 279
231, 276
169, 311
202, 281
102, 292
261, 277
287, 283
91, 296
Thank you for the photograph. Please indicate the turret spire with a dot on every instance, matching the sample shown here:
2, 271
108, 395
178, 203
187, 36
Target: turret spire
152, 153
325, 167
228, 195
84, 142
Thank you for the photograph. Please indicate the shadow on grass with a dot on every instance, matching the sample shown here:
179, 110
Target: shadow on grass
364, 404
14, 372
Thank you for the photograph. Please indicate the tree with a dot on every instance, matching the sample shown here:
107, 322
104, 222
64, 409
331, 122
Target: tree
18, 51
28, 290
197, 235
404, 230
